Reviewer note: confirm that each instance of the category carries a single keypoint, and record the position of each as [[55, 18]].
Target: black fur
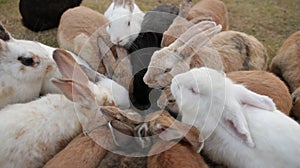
[[3, 34], [38, 15], [155, 23]]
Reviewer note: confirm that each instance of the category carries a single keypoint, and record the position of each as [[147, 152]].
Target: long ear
[[69, 67], [184, 8], [92, 75], [234, 121], [197, 42], [107, 56], [205, 28], [76, 92], [122, 134], [253, 99], [4, 35], [128, 4]]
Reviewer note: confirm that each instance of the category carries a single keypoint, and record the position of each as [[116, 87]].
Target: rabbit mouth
[[32, 61]]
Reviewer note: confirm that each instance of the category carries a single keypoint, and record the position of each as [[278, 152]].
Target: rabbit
[[286, 62], [72, 32], [169, 61], [175, 144], [212, 10], [22, 71], [260, 82], [295, 111], [239, 127], [154, 24], [92, 149], [125, 19], [40, 15], [227, 51], [33, 132]]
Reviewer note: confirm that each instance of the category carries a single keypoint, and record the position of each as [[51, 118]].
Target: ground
[[270, 21]]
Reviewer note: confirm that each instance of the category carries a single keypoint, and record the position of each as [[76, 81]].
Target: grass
[[270, 21]]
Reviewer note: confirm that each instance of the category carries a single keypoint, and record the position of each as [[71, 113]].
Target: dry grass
[[270, 21]]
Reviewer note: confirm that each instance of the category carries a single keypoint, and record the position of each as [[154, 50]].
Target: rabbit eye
[[109, 25], [128, 23], [172, 101], [26, 61], [167, 70]]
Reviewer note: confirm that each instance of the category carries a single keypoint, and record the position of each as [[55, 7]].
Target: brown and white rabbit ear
[[201, 38], [107, 56], [205, 28], [68, 67], [75, 91], [256, 100], [184, 8], [4, 35], [127, 116], [122, 134]]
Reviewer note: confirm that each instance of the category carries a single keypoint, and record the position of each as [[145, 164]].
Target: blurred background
[[270, 21]]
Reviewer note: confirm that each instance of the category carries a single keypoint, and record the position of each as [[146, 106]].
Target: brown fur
[[82, 151], [295, 112], [75, 30], [122, 161], [286, 63], [265, 83], [214, 10], [237, 50], [178, 156]]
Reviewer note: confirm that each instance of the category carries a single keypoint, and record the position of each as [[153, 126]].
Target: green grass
[[270, 21]]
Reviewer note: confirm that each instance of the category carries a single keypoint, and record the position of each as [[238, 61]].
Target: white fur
[[119, 93], [260, 136], [20, 83], [32, 133], [121, 33]]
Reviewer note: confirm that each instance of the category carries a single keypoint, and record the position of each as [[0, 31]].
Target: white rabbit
[[32, 133], [125, 21], [22, 71], [239, 127]]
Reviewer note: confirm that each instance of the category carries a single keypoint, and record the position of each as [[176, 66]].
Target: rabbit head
[[167, 128], [125, 22], [218, 102], [175, 59], [22, 63]]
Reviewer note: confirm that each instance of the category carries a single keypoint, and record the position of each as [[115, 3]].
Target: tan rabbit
[[213, 10], [295, 112]]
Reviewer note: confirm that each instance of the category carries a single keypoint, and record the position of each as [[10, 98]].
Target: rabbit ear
[[92, 75], [75, 91], [69, 67], [4, 35], [184, 8], [107, 56], [128, 3], [234, 121], [122, 134], [253, 99], [203, 30], [199, 40]]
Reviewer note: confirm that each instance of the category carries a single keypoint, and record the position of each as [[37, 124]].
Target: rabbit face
[[123, 27], [164, 65], [25, 61]]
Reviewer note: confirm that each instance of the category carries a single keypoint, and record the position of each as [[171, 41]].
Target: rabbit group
[[95, 101]]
